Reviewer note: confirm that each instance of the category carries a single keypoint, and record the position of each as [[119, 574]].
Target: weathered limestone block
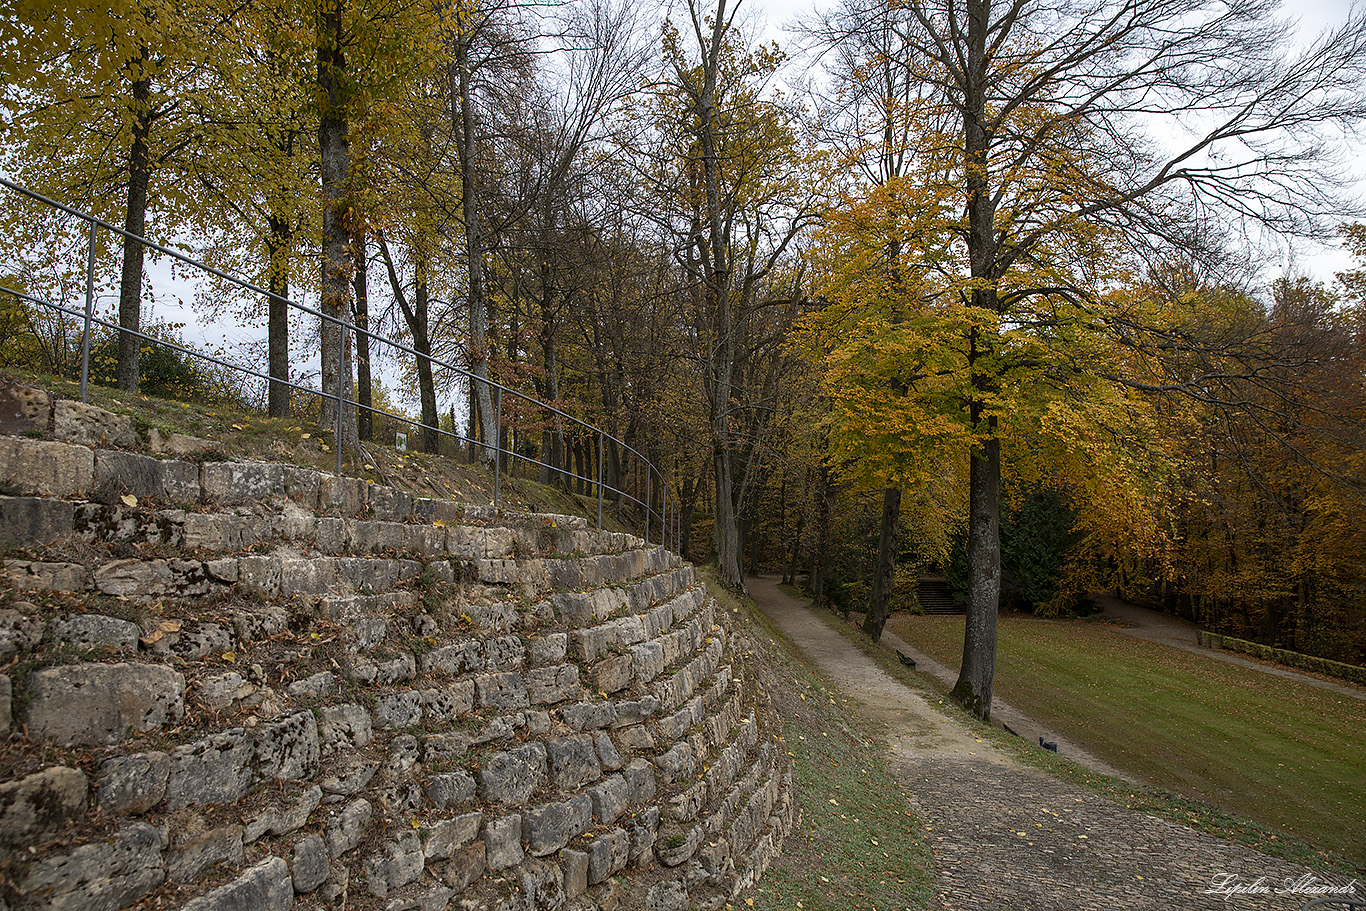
[[132, 578], [611, 796], [86, 631], [105, 876], [177, 445], [447, 789], [542, 884], [344, 727], [342, 496], [24, 575], [549, 828], [548, 649], [20, 630], [133, 784], [608, 755], [635, 711], [388, 504], [24, 409], [643, 835], [40, 805], [45, 469], [613, 674], [549, 685], [231, 483], [283, 819], [30, 521], [395, 670], [102, 703], [346, 828], [573, 761], [640, 780], [454, 659], [448, 703], [88, 425], [288, 750], [398, 710], [502, 691], [265, 887], [670, 895], [466, 866], [216, 769], [318, 686], [444, 511], [190, 640], [575, 873], [509, 778], [185, 861], [471, 543], [503, 842], [607, 854], [145, 477], [649, 660], [400, 863], [443, 839], [308, 864], [583, 716]]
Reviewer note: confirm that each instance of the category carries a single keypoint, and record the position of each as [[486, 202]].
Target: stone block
[[550, 827], [399, 863], [449, 703], [133, 784], [398, 710], [548, 649], [670, 895], [445, 511], [45, 469], [503, 842], [318, 686], [25, 575], [346, 828], [613, 674], [607, 752], [118, 473], [344, 727], [342, 496], [102, 703], [88, 631], [448, 789], [232, 483], [442, 839], [32, 521], [89, 425], [107, 875], [185, 861], [216, 769], [396, 670], [308, 864], [636, 737], [542, 884], [24, 409], [610, 796], [573, 761], [549, 685], [583, 716], [502, 691], [388, 504], [265, 887], [178, 445], [38, 806], [640, 780], [19, 630], [649, 660], [509, 778], [608, 854], [288, 750], [466, 866], [291, 816], [575, 873], [455, 659]]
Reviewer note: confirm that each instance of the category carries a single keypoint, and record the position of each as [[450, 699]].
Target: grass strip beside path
[[1277, 751]]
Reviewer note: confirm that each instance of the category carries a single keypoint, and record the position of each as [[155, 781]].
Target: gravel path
[[1010, 838]]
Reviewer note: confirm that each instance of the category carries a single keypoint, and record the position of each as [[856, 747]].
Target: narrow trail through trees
[[1005, 836]]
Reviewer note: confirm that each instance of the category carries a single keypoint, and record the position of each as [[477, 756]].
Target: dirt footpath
[[1010, 838]]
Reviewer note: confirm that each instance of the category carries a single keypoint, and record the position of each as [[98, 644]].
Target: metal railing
[[667, 517]]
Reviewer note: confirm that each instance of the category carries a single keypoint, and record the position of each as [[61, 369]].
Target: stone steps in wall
[[530, 720]]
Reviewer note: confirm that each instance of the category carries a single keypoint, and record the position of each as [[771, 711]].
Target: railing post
[[497, 445], [89, 313], [649, 491], [599, 480]]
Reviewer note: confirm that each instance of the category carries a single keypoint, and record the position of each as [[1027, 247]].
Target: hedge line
[[1348, 672]]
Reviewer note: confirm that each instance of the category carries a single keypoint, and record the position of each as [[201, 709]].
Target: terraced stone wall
[[246, 685]]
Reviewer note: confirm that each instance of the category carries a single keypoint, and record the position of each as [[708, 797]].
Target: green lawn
[[1283, 753]]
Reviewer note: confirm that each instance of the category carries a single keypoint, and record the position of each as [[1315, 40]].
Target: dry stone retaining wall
[[245, 685]]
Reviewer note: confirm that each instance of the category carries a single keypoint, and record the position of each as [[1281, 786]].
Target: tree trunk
[[135, 222], [978, 673], [415, 315], [278, 245], [335, 163], [365, 417], [888, 546]]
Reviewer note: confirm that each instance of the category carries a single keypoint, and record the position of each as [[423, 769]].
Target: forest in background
[[942, 305]]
